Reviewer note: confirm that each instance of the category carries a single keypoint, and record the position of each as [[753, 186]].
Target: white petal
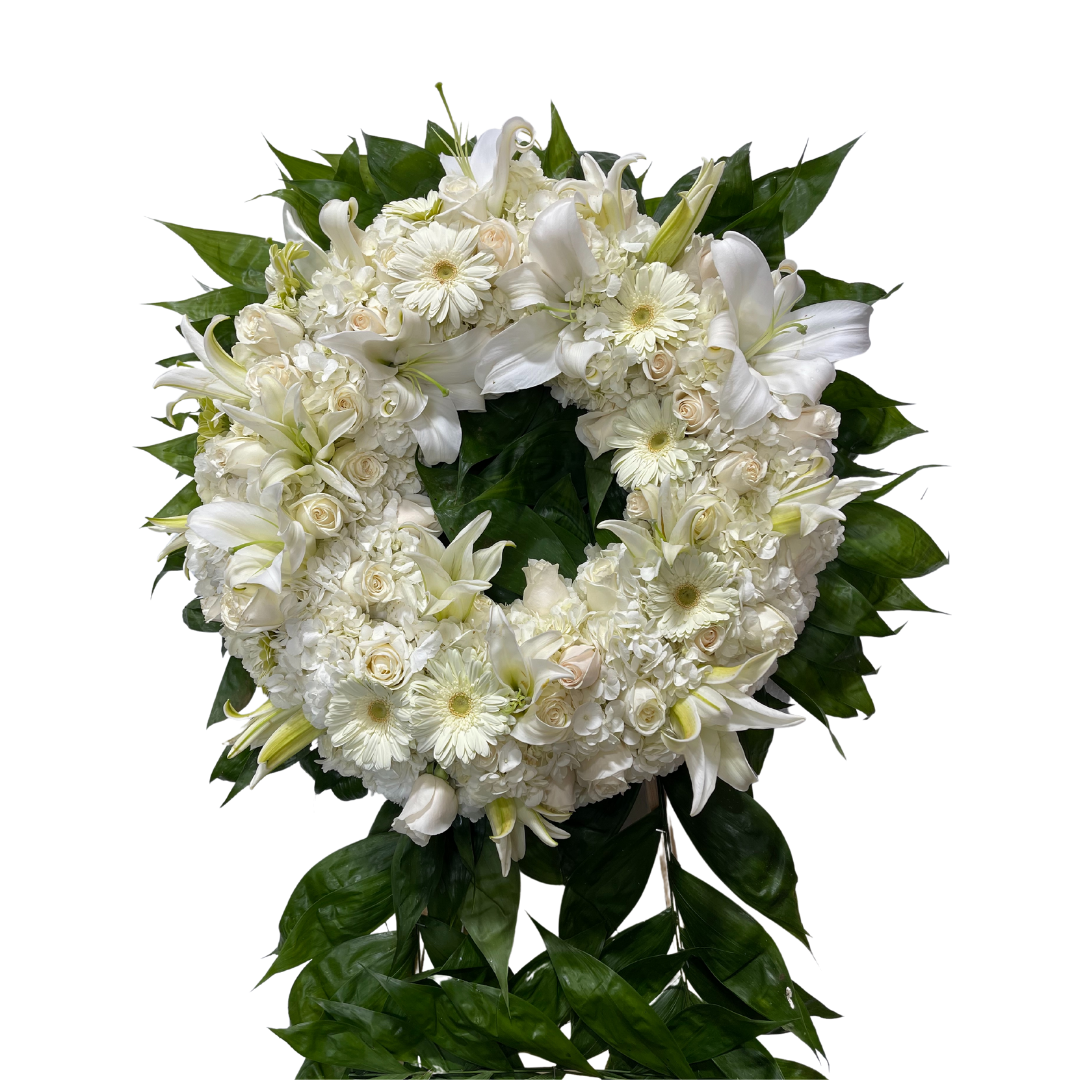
[[438, 430], [523, 355], [748, 282], [229, 523], [795, 375], [744, 397], [835, 330], [557, 245], [733, 766], [526, 285], [335, 219]]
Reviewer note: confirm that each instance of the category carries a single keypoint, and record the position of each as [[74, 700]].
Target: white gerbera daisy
[[441, 276], [653, 305], [366, 722], [691, 594], [458, 709], [655, 444], [415, 209]]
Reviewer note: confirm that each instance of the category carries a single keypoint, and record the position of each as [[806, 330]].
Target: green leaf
[[848, 392], [489, 913], [813, 179], [750, 1062], [307, 206], [734, 195], [346, 967], [445, 903], [390, 1033], [240, 770], [301, 168], [823, 648], [182, 360], [241, 260], [560, 507], [886, 594], [602, 891], [447, 947], [516, 1024], [613, 1009], [343, 896], [183, 502], [643, 940], [559, 157], [885, 542], [173, 561], [842, 609], [815, 1007], [532, 536], [486, 434], [400, 169], [820, 690], [537, 983], [387, 812], [742, 845], [195, 620], [739, 953], [236, 686], [206, 305], [796, 1070], [354, 171], [178, 454], [414, 876], [598, 478], [707, 1031], [437, 140], [820, 288], [337, 1044], [345, 788], [866, 431], [764, 224], [756, 743]]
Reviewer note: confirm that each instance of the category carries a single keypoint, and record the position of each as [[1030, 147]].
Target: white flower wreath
[[318, 549]]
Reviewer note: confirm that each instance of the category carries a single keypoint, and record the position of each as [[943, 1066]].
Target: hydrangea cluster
[[318, 551]]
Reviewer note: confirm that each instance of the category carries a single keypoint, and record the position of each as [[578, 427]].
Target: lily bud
[[289, 739], [670, 242], [431, 808], [502, 816]]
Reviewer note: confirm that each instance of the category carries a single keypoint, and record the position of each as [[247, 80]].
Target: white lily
[[612, 205], [489, 165], [780, 359], [454, 576], [537, 347], [703, 727], [220, 378], [509, 818], [671, 241], [525, 668], [437, 376], [808, 501]]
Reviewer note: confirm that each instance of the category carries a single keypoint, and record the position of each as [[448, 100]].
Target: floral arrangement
[[515, 491]]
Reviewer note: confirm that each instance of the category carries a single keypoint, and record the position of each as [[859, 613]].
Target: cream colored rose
[[600, 578], [399, 401], [251, 608], [457, 189], [816, 421], [696, 408], [709, 522], [553, 710], [659, 367], [708, 639], [279, 368], [384, 665], [360, 467], [544, 587], [774, 630], [346, 398], [266, 330], [365, 318], [584, 662], [647, 711], [740, 472], [320, 515], [595, 429], [500, 239], [637, 507], [416, 510], [369, 582]]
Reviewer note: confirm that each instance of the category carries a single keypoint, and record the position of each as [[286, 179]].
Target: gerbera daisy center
[[378, 711], [460, 704], [687, 595], [643, 316], [444, 270], [659, 440]]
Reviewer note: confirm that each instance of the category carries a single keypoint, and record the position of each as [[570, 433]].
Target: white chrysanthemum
[[691, 594], [457, 708], [441, 276], [654, 305], [654, 444], [366, 722]]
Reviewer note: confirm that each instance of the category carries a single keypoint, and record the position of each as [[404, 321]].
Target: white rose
[[584, 662], [369, 582], [696, 408], [384, 665], [637, 507], [416, 510], [659, 367], [457, 189], [266, 330], [399, 401], [600, 579], [430, 810], [559, 794], [647, 711], [708, 639], [346, 398], [774, 630], [595, 429], [360, 467], [364, 318], [544, 588], [272, 367], [740, 472], [251, 608], [320, 515], [500, 239], [708, 522], [553, 710], [816, 421]]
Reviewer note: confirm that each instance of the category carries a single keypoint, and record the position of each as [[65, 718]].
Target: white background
[[937, 862]]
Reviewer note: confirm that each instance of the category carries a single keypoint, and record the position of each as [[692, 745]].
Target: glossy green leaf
[[749, 1062], [848, 392], [346, 788], [173, 561], [886, 594], [447, 947], [537, 984], [338, 1044], [739, 953], [603, 890], [400, 169], [613, 1009], [515, 1023], [796, 1070], [821, 690], [437, 140], [396, 1036], [206, 305], [307, 207], [885, 542], [178, 454], [195, 620], [445, 903], [532, 536], [815, 1007], [387, 812], [743, 846], [344, 973], [823, 648], [236, 686], [559, 157], [180, 360], [764, 224], [820, 289], [414, 875], [756, 743], [734, 195], [489, 913], [301, 168], [707, 1031], [652, 937], [841, 608], [183, 502], [560, 507], [866, 431], [598, 479], [241, 260], [812, 183], [486, 434], [343, 896]]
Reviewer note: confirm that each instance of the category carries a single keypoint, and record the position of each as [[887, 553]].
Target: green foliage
[[178, 454], [559, 158], [489, 913], [195, 620], [400, 169], [236, 687], [812, 180], [228, 301], [173, 561], [241, 260], [342, 787]]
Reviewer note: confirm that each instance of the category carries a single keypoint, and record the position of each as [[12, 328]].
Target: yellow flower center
[[461, 704], [378, 711], [444, 271], [643, 316], [659, 440], [687, 595]]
